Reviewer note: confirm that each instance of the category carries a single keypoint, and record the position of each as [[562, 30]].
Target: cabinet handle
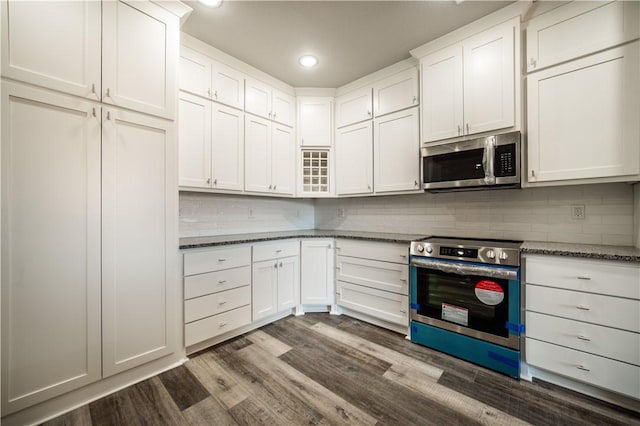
[[222, 303], [270, 186], [215, 94], [108, 95], [404, 280], [274, 115], [209, 92], [584, 278], [415, 183], [369, 187], [404, 311], [415, 99], [109, 115], [208, 181], [583, 308], [222, 281], [329, 246], [459, 130], [586, 339], [274, 187], [369, 113], [94, 111], [532, 63], [222, 260], [276, 265], [281, 264], [215, 181], [93, 88], [582, 367], [533, 173], [467, 128], [222, 324]]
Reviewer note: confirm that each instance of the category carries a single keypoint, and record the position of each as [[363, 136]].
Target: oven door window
[[476, 302], [454, 166]]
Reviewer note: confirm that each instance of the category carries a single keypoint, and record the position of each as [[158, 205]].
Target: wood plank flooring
[[319, 369]]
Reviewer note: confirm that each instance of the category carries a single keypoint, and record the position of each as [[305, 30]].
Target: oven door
[[473, 299]]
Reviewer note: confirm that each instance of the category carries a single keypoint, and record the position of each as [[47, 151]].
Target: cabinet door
[[396, 152], [583, 117], [227, 148], [195, 72], [354, 107], [315, 125], [227, 85], [50, 245], [354, 159], [257, 98], [257, 173], [138, 240], [194, 141], [442, 100], [264, 301], [140, 43], [317, 272], [397, 92], [53, 44], [489, 80], [283, 108], [288, 282], [283, 160]]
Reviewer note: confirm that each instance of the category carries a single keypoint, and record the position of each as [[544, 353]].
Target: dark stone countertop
[[589, 251], [220, 240]]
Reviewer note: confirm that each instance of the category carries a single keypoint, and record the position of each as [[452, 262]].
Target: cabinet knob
[[369, 113], [532, 62], [208, 181]]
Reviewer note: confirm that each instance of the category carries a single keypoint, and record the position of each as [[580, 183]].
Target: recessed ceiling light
[[211, 3], [308, 61]]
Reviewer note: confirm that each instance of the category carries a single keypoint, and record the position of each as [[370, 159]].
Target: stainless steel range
[[465, 300]]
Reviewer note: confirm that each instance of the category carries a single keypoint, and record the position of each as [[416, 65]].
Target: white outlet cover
[[578, 212]]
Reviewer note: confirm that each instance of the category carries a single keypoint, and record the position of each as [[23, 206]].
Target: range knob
[[491, 254], [504, 256], [420, 248], [429, 249]]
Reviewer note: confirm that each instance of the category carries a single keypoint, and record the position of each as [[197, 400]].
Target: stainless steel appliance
[[483, 163], [465, 300]]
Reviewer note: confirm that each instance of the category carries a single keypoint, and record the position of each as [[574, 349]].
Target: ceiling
[[350, 38]]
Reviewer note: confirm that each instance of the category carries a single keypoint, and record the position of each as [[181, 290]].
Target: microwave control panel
[[505, 160]]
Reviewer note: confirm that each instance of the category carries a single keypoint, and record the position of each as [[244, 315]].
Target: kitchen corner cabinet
[[396, 152], [395, 93], [276, 278], [317, 272], [269, 157], [267, 102], [354, 159], [354, 107], [469, 88], [315, 122], [122, 53]]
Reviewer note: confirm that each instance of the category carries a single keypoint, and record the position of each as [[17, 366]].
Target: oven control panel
[[490, 252]]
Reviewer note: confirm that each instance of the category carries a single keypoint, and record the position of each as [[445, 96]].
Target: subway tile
[[617, 240]]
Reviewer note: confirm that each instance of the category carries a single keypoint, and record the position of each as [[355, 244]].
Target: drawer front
[[592, 308], [593, 276], [386, 252], [386, 306], [602, 372], [384, 276], [608, 342], [207, 328], [212, 304], [201, 262], [268, 251], [213, 282]]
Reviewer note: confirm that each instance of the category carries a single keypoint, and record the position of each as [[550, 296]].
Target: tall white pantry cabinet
[[89, 193]]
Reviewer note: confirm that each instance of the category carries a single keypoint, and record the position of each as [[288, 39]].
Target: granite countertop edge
[[589, 251]]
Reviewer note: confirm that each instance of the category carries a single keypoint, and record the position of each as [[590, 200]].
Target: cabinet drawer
[[215, 260], [207, 328], [386, 306], [212, 304], [385, 276], [275, 250], [593, 276], [578, 29], [387, 252], [213, 282], [602, 372], [592, 308], [608, 342]]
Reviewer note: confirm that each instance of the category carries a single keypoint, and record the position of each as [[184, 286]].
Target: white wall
[[203, 214], [536, 214]]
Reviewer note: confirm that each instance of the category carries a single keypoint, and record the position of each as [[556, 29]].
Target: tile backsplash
[[203, 214], [534, 214]]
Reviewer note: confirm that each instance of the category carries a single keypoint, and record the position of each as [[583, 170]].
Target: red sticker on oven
[[489, 292]]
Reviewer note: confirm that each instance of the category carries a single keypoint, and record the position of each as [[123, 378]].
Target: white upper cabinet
[[442, 88], [140, 42], [194, 155], [264, 101], [315, 121], [583, 117], [227, 85], [227, 148], [395, 93], [354, 107], [63, 54], [195, 72], [354, 159], [579, 28], [283, 160], [469, 88], [396, 152]]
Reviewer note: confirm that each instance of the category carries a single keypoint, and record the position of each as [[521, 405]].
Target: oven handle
[[459, 269]]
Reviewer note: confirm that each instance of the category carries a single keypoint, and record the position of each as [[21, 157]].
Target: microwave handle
[[460, 269], [488, 160]]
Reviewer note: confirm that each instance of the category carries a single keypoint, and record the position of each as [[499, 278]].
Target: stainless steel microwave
[[484, 163]]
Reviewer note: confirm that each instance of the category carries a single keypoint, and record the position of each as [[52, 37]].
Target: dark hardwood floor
[[322, 369]]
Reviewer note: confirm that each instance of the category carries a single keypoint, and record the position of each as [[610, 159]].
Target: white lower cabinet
[[576, 327], [317, 272], [372, 279]]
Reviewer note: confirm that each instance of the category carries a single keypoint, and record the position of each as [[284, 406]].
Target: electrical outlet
[[578, 212], [340, 212]]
